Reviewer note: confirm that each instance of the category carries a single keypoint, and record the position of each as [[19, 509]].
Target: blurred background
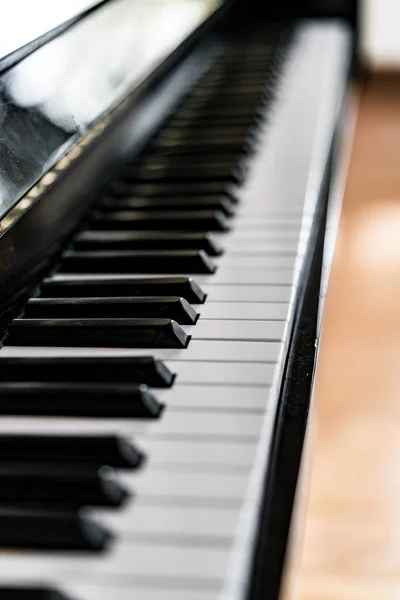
[[352, 542]]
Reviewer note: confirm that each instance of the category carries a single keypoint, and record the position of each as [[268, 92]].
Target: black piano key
[[107, 369], [92, 451], [221, 89], [147, 240], [241, 74], [31, 593], [206, 144], [200, 107], [225, 143], [241, 63], [202, 220], [39, 530], [136, 261], [201, 120], [237, 108], [227, 158], [248, 84], [230, 111], [202, 162], [225, 205], [184, 156], [236, 102], [238, 95], [212, 116], [96, 400], [185, 287], [164, 307], [214, 147], [157, 171], [251, 90], [31, 485], [240, 88], [254, 90], [104, 333], [205, 188], [181, 133]]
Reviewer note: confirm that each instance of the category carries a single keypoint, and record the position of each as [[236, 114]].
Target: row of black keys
[[112, 244], [156, 218]]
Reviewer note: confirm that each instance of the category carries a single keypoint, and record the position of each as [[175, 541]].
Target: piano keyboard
[[172, 309]]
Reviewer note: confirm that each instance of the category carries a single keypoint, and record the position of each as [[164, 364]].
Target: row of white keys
[[180, 529], [182, 524], [178, 544]]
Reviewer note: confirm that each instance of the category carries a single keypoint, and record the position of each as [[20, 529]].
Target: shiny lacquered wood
[[352, 546]]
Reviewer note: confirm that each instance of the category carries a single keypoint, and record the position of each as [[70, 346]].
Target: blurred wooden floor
[[352, 543]]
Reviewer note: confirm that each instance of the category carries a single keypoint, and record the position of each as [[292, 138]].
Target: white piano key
[[271, 311], [258, 250], [139, 521], [191, 423], [241, 276], [245, 293], [175, 486], [263, 235], [108, 591], [273, 239], [223, 351], [256, 262], [272, 217], [252, 209], [236, 330], [195, 453], [137, 562], [222, 425], [219, 397], [224, 275], [219, 351], [223, 373], [263, 225], [202, 350]]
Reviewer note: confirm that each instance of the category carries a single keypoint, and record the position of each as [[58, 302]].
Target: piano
[[165, 169]]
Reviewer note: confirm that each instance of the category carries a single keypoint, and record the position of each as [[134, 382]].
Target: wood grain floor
[[352, 542]]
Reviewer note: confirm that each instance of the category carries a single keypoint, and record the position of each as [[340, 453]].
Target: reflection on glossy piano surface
[[164, 175]]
